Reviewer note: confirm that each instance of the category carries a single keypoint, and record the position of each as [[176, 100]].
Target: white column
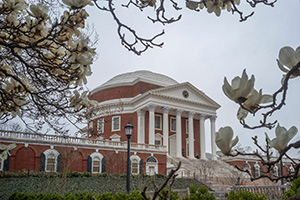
[[213, 136], [151, 108], [166, 127], [141, 127], [202, 137], [191, 135], [178, 133]]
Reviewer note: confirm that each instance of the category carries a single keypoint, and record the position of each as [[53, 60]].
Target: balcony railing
[[75, 141]]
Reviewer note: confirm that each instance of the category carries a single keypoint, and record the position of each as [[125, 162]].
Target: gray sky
[[202, 48]]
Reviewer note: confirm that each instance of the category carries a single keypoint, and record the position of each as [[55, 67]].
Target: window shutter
[[89, 166], [141, 166], [58, 169], [103, 163], [254, 173], [6, 163], [42, 162]]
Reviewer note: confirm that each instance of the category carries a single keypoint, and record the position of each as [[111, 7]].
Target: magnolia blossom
[[75, 4], [214, 6], [4, 150], [287, 59], [39, 11], [252, 103], [283, 137], [224, 139], [240, 88]]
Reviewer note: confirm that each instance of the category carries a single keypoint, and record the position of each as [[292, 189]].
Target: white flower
[[193, 5], [224, 139], [287, 59], [4, 149], [39, 11], [283, 137], [240, 88], [75, 4], [252, 103], [214, 6]]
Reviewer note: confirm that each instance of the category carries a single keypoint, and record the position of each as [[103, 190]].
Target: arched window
[[51, 160], [136, 164], [247, 167], [291, 170], [275, 171], [151, 166], [96, 163], [256, 170]]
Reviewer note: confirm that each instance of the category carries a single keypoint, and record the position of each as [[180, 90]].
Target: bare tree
[[141, 44]]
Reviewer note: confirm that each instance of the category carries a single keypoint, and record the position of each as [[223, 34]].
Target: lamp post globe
[[128, 132]]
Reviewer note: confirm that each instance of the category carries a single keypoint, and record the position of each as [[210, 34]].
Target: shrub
[[201, 194], [245, 195], [295, 189]]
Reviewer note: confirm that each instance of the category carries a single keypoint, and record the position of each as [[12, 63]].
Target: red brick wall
[[123, 91], [23, 158]]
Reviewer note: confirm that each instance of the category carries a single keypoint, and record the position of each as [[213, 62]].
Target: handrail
[[75, 140]]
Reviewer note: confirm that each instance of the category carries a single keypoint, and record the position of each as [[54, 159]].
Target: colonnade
[[166, 124]]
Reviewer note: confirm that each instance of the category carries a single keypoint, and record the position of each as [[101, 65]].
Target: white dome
[[131, 78]]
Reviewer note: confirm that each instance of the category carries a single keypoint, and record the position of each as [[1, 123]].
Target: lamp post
[[128, 132]]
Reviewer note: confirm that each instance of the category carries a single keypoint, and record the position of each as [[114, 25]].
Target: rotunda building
[[165, 114]]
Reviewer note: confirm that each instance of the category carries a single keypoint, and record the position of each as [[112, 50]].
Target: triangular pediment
[[185, 92]]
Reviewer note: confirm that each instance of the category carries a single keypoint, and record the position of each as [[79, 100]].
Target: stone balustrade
[[60, 140]]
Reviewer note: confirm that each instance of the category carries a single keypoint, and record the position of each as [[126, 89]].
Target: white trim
[[172, 118], [138, 162], [187, 126], [47, 153], [149, 165], [93, 155], [160, 122], [100, 120], [115, 138], [112, 123], [158, 137], [257, 169]]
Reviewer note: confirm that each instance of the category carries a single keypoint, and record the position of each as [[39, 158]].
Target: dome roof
[[131, 78]]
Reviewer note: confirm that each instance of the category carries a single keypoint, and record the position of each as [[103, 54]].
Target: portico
[[178, 113], [180, 116]]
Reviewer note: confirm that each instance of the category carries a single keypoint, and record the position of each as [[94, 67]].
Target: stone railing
[[23, 137]]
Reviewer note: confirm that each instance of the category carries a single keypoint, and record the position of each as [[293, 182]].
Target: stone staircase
[[216, 174]]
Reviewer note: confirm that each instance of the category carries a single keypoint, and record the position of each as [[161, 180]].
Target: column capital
[[141, 113], [166, 110], [191, 113], [213, 118], [202, 116], [151, 107], [178, 112]]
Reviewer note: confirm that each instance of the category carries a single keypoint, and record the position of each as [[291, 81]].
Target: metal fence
[[270, 191]]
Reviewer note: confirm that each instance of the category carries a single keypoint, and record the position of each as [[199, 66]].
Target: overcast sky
[[202, 48]]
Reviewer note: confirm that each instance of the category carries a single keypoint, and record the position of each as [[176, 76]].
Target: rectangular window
[[158, 122], [187, 126], [100, 125], [157, 142], [134, 167], [173, 124], [50, 165], [116, 123], [151, 170], [1, 164], [96, 166]]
